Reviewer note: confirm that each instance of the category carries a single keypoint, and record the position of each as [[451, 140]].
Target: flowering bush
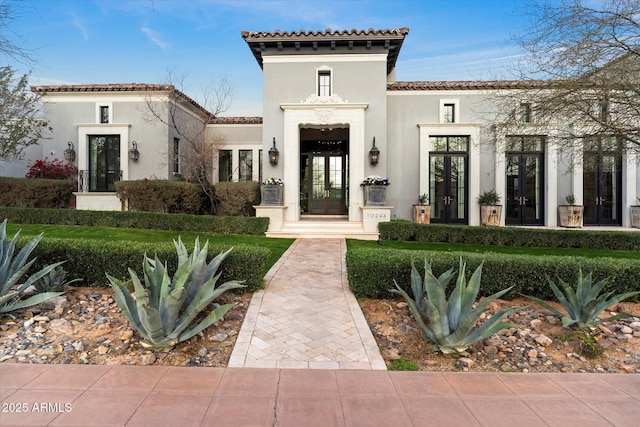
[[375, 180], [53, 169], [272, 181]]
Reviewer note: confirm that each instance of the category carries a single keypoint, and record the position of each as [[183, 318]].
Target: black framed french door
[[448, 179], [602, 183], [327, 183], [104, 162], [524, 192]]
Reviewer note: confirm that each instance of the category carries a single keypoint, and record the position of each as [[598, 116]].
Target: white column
[[629, 186], [551, 185]]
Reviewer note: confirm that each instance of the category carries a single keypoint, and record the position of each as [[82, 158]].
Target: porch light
[[374, 154], [274, 154], [70, 153], [134, 154]]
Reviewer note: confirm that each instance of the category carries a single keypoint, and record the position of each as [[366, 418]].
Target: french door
[[104, 162], [524, 202], [602, 189], [448, 188], [327, 184]]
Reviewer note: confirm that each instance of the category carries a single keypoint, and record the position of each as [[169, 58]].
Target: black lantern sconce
[[134, 154], [70, 153], [374, 153], [274, 154]]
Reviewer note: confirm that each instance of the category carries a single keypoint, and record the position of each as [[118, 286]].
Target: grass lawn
[[276, 246], [518, 250]]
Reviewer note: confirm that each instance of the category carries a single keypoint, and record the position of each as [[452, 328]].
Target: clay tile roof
[[236, 121], [303, 40], [121, 87], [467, 85]]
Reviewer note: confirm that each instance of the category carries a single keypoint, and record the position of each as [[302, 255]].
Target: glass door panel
[[457, 188], [602, 176], [327, 192], [448, 188], [533, 212], [513, 189], [524, 189], [437, 188]]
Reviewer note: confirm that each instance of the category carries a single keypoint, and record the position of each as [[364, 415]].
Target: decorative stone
[[375, 195], [219, 337], [543, 340], [147, 359], [272, 195]]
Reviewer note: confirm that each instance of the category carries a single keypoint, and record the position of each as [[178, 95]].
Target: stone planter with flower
[[272, 192], [422, 211], [375, 190]]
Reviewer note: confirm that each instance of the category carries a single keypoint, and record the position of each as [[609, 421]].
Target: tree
[[20, 126], [9, 11], [198, 145], [580, 73]]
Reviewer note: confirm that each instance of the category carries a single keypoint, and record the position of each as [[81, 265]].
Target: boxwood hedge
[[89, 260], [144, 220], [371, 271], [510, 236]]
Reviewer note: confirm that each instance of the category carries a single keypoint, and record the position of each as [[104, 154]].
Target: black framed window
[[225, 166], [449, 113], [260, 165], [104, 114], [245, 158], [176, 156]]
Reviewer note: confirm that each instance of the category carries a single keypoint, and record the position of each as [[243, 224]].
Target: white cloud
[[80, 26], [155, 38]]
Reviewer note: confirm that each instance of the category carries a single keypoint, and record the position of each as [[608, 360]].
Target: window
[[324, 83], [525, 112], [104, 162], [260, 165], [604, 110], [246, 165], [104, 114], [225, 166], [176, 156], [449, 113]]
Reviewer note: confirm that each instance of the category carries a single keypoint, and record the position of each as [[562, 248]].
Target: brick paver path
[[306, 318]]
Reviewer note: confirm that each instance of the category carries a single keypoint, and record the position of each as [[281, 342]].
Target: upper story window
[[449, 111], [176, 156], [324, 83], [525, 112], [104, 113]]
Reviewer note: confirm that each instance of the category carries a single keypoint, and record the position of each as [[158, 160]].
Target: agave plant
[[585, 304], [55, 281], [164, 308], [12, 269], [453, 323]]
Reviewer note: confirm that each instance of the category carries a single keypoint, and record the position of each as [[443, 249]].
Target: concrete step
[[323, 228]]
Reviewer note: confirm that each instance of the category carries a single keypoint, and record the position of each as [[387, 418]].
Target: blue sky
[[126, 41]]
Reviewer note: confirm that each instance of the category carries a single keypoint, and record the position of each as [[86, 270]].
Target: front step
[[323, 228]]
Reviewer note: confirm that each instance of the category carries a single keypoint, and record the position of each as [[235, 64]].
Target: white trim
[[96, 129], [472, 130], [278, 59], [301, 115]]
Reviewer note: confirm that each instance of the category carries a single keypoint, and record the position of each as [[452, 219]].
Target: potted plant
[[422, 211], [490, 207], [272, 192], [375, 190], [570, 214], [635, 215]]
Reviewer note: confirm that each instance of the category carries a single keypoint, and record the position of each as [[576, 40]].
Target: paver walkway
[[306, 317]]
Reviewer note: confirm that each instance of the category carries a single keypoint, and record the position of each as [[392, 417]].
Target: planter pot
[[490, 215], [570, 215], [635, 216], [422, 214], [272, 195], [375, 195]]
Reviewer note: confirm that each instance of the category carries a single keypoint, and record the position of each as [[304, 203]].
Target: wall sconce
[[374, 154], [274, 154], [70, 153], [134, 154]]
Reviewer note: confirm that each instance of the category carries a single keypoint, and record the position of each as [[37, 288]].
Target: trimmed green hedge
[[161, 196], [237, 198], [371, 272], [510, 236], [90, 260], [144, 220], [36, 193]]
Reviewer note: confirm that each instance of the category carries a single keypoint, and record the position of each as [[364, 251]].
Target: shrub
[[371, 270], [237, 198], [143, 220], [54, 281], [161, 196], [36, 193], [54, 169], [89, 259], [509, 236]]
